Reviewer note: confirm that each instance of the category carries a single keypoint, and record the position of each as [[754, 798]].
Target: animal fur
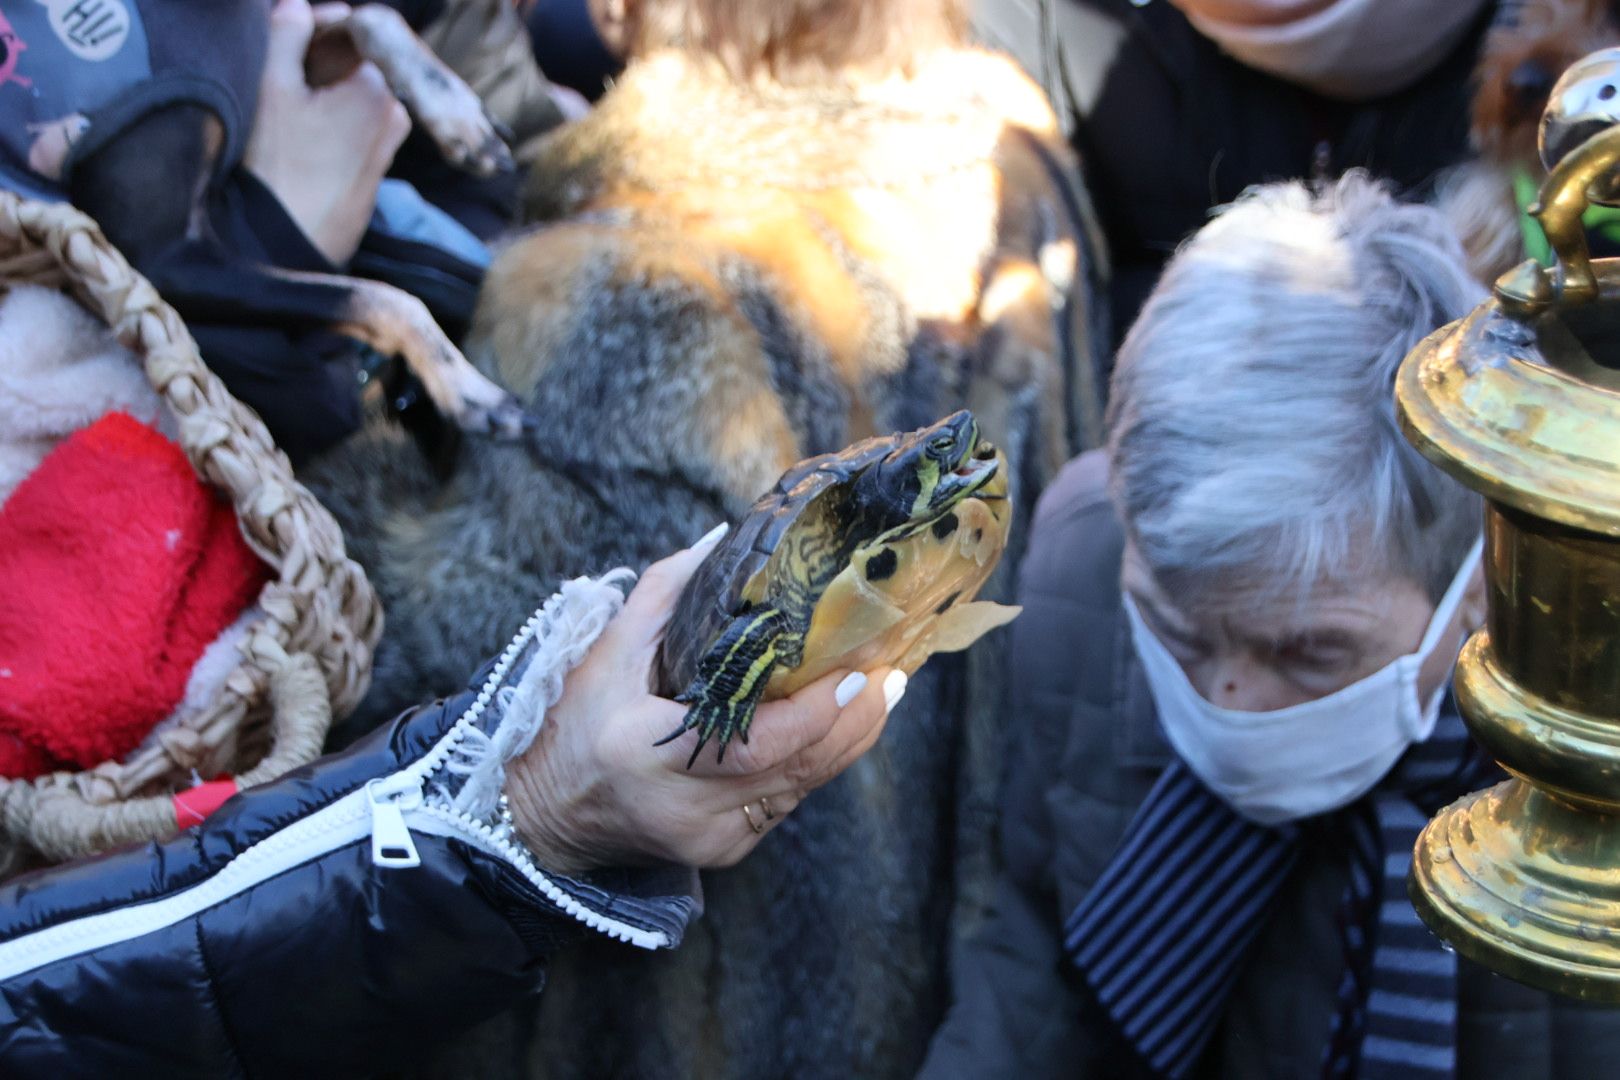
[[1522, 57], [61, 370], [764, 243]]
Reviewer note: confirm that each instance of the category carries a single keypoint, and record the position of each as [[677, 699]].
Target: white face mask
[[1309, 758]]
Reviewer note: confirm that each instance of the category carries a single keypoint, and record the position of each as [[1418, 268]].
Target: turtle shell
[[731, 577]]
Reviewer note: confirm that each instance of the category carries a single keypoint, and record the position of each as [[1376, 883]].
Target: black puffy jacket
[[336, 922]]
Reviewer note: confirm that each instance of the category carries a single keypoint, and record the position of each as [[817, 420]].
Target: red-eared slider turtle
[[865, 558]]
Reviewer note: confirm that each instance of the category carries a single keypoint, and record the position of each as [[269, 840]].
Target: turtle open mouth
[[981, 465]]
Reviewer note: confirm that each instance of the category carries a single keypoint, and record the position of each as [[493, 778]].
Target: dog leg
[[147, 187], [395, 323], [437, 98]]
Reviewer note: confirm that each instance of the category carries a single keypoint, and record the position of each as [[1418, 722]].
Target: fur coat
[[60, 370], [716, 281]]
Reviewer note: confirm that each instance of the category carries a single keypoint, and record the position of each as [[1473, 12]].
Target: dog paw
[[505, 422], [455, 119], [468, 398], [483, 408]]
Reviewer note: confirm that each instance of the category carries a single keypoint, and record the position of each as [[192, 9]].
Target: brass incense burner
[[1521, 401]]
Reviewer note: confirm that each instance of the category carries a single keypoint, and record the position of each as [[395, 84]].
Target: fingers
[[652, 601], [854, 730], [326, 14], [395, 129], [369, 77], [783, 728], [748, 815], [366, 87], [784, 788], [854, 752], [366, 82], [291, 24]]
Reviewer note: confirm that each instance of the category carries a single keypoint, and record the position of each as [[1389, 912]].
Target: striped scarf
[[1163, 935]]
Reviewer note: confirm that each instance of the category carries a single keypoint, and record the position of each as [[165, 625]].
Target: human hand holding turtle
[[865, 560], [594, 791], [868, 557]]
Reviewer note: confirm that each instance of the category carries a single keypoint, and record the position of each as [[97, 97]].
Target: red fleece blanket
[[118, 566]]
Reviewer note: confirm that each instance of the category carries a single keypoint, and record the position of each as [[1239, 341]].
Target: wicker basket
[[308, 657]]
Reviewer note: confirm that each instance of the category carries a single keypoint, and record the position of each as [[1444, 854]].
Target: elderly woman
[[1231, 691]]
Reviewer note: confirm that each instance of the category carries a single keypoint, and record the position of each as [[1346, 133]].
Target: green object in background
[[1603, 220]]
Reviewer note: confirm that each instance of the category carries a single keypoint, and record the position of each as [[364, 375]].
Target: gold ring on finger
[[748, 813], [765, 805]]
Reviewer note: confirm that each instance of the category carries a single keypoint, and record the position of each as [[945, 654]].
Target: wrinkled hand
[[593, 791], [322, 152]]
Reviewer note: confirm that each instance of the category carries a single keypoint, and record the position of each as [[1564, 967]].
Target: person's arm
[[342, 919]]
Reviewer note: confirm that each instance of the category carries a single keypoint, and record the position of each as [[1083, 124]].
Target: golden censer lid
[[1521, 400]]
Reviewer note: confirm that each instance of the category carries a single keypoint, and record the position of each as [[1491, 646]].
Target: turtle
[[863, 558]]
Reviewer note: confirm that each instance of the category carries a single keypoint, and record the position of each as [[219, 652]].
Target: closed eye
[[1328, 655], [1182, 644]]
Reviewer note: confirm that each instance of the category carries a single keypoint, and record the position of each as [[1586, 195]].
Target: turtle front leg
[[732, 676]]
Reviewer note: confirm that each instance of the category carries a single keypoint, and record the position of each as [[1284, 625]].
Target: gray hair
[[1252, 429]]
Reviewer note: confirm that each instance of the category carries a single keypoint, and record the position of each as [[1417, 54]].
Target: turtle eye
[[941, 445]]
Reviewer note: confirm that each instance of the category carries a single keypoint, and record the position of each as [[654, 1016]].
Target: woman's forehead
[[1267, 608]]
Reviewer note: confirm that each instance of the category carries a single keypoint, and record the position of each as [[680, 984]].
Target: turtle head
[[931, 470]]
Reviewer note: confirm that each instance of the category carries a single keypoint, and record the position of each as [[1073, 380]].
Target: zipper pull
[[391, 843]]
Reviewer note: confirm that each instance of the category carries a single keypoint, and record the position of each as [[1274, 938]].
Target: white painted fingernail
[[894, 688], [712, 537], [852, 685]]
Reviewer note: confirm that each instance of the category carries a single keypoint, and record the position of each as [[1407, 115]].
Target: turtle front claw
[[710, 721], [731, 678]]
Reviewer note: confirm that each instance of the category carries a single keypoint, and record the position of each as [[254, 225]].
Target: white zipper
[[445, 822], [397, 803], [342, 822], [391, 843], [386, 809]]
